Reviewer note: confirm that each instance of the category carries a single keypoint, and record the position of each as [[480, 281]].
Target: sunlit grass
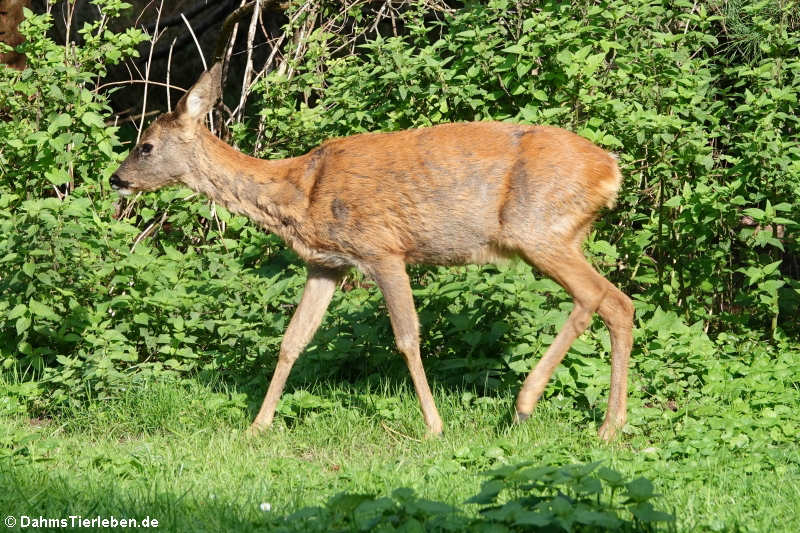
[[177, 452]]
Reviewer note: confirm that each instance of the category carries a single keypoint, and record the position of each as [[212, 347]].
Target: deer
[[451, 194]]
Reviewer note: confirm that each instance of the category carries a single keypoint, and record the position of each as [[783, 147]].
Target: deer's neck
[[274, 194]]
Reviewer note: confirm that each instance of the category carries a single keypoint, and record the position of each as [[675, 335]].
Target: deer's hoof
[[608, 431], [519, 418], [255, 430]]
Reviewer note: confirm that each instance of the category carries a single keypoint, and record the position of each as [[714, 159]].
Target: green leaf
[[605, 520], [592, 62], [640, 489], [62, 120], [18, 311], [42, 310], [90, 118], [29, 268], [57, 176], [23, 323], [756, 213], [540, 95], [612, 477], [172, 253], [105, 147], [489, 491], [646, 513], [515, 49], [534, 518]]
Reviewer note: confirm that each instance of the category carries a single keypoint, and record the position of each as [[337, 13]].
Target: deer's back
[[455, 193]]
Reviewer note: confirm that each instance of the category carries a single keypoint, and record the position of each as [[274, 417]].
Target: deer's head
[[166, 149]]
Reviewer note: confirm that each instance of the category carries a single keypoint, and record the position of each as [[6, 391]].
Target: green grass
[[177, 452]]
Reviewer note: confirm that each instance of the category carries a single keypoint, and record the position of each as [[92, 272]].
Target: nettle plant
[[707, 135], [56, 149], [56, 137]]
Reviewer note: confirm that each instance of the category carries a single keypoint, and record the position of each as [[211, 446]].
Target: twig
[[226, 60], [141, 14], [196, 42], [68, 24], [688, 20], [112, 83], [220, 227], [147, 72], [149, 230], [248, 68], [176, 19], [169, 67], [205, 65], [199, 28], [134, 118], [129, 206]]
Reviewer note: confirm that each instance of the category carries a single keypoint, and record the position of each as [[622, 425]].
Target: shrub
[[704, 233]]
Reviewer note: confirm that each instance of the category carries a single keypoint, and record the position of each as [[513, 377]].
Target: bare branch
[[196, 42], [147, 72], [227, 27], [169, 67], [126, 82]]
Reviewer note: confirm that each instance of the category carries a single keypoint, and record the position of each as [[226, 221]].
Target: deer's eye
[[146, 148]]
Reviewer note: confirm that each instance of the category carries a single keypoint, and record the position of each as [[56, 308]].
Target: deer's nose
[[116, 182]]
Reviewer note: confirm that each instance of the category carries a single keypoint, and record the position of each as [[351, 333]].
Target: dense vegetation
[[698, 98]]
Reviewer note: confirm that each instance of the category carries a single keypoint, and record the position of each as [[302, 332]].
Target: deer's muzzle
[[117, 183]]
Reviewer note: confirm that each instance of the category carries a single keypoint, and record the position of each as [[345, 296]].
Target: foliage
[[56, 136], [709, 143], [567, 498]]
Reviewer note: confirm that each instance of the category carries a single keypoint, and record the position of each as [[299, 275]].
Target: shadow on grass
[[355, 346]]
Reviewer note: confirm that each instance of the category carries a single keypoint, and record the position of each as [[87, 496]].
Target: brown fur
[[450, 194], [10, 16]]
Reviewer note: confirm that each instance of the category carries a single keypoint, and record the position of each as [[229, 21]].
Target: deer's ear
[[202, 96]]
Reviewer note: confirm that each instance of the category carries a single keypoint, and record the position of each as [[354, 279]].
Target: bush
[[703, 237], [708, 139]]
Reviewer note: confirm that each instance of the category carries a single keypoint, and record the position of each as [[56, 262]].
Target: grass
[[177, 452]]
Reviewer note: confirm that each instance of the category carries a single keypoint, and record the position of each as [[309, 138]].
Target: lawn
[[177, 452]]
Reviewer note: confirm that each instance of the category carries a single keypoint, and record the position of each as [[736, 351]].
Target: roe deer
[[449, 194]]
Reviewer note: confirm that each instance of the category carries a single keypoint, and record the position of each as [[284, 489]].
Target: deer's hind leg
[[616, 310], [569, 268]]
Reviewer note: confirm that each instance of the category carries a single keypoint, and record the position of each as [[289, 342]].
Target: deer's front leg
[[393, 281], [307, 317]]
